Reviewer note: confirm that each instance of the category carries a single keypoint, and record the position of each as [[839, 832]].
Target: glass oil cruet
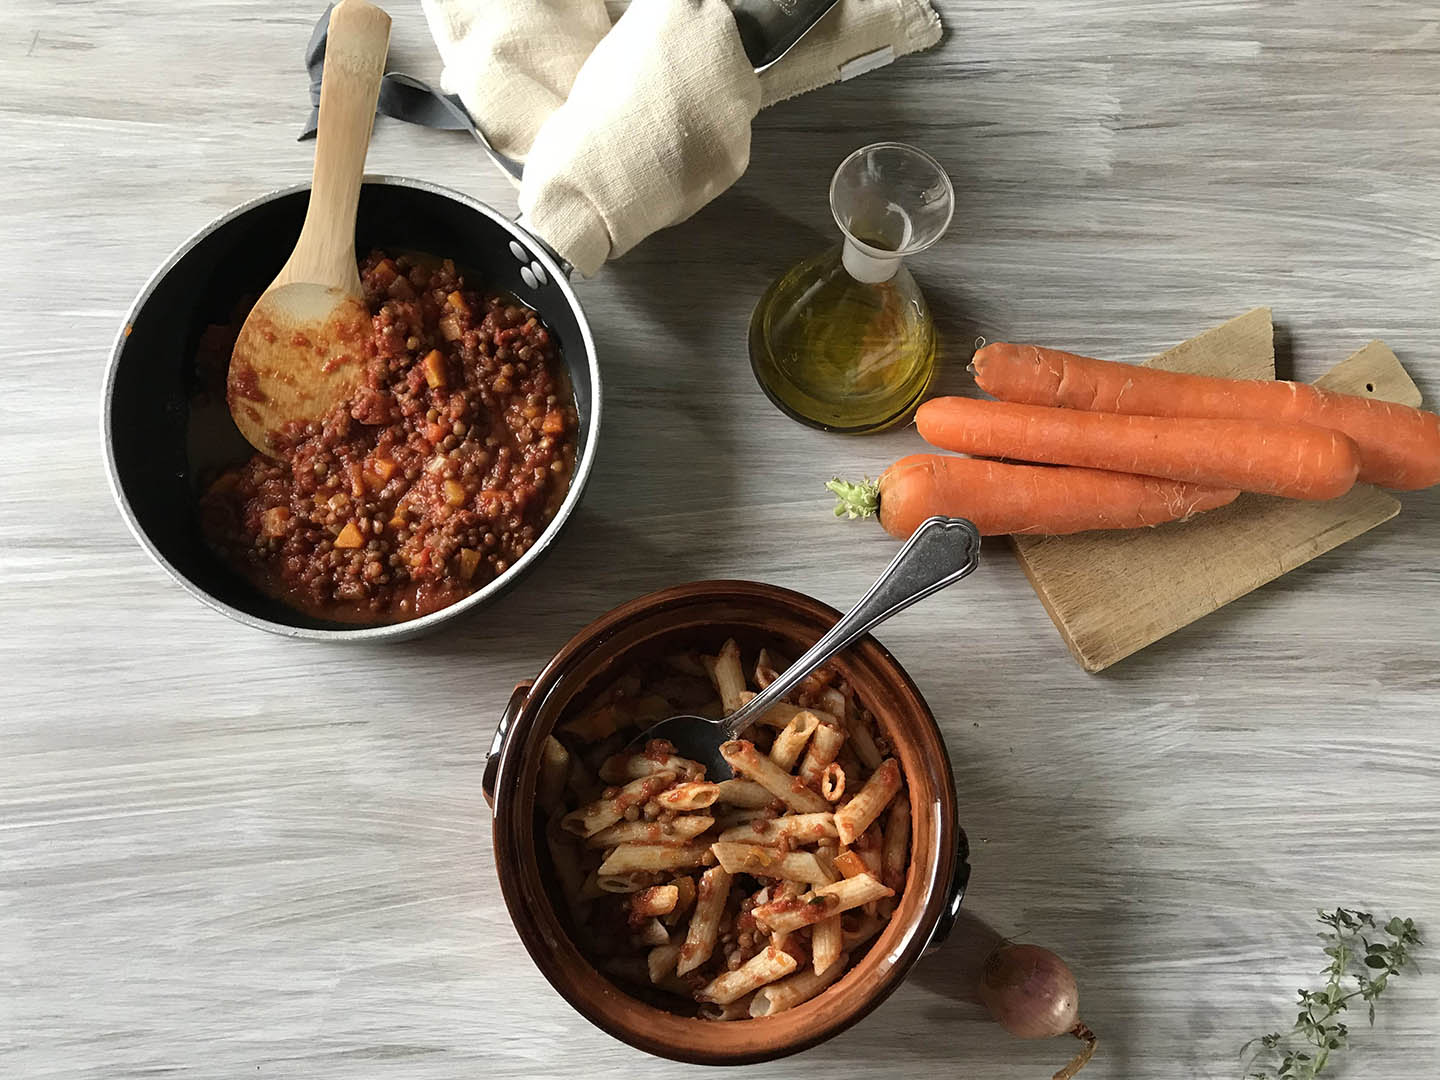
[[844, 340]]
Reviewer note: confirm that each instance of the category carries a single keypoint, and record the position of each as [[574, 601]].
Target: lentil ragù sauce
[[437, 475]]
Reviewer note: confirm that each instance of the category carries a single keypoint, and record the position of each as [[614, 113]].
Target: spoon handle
[[355, 51], [939, 553]]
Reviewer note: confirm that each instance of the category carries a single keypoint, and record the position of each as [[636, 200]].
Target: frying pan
[[160, 441]]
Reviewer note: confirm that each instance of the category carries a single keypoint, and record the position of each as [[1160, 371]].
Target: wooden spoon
[[304, 347]]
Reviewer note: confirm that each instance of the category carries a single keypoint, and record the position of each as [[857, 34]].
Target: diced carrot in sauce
[[384, 273], [436, 432], [469, 562], [384, 468], [554, 423], [273, 521], [456, 301], [850, 864], [350, 537], [454, 493], [434, 365]]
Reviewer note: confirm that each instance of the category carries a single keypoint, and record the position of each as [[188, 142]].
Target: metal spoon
[[940, 552]]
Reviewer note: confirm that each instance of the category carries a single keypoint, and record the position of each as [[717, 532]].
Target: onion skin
[[1030, 992]]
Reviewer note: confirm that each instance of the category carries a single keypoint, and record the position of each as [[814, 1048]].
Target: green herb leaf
[[1352, 955]]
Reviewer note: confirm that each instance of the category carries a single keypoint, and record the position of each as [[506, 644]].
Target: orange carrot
[[1293, 460], [1399, 446], [1000, 498]]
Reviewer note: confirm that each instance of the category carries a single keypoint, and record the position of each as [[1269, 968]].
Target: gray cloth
[[401, 96]]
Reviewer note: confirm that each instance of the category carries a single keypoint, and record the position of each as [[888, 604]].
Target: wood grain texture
[[1112, 594], [295, 880]]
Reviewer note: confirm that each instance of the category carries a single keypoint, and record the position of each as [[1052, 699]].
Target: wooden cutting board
[[1113, 593]]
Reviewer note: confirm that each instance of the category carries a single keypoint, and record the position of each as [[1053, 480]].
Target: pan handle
[[410, 84], [398, 83], [958, 884], [518, 697]]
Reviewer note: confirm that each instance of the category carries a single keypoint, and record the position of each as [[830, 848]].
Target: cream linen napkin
[[656, 125], [512, 62], [853, 37], [656, 122]]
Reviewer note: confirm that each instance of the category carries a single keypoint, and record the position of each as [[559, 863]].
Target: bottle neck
[[865, 267]]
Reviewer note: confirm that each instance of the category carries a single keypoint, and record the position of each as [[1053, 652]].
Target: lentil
[[444, 531]]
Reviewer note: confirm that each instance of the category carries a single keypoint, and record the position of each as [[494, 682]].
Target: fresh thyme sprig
[[1301, 1052]]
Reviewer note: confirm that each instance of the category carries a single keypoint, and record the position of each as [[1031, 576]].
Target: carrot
[[1399, 446], [1293, 460], [1000, 498]]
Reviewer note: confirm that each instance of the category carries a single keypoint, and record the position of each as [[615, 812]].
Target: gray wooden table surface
[[224, 854]]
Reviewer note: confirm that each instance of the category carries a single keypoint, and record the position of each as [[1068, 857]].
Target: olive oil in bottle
[[842, 354], [844, 340]]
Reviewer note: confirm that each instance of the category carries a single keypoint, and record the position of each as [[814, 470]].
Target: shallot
[[1032, 994]]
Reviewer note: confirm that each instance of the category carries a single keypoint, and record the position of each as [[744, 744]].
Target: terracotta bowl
[[705, 613]]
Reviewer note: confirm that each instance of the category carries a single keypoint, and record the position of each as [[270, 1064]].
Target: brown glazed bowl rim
[[508, 775]]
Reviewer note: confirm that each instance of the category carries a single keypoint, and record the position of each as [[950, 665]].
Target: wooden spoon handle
[[354, 65]]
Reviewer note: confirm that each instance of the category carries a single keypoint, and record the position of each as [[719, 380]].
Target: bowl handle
[[517, 700], [958, 884]]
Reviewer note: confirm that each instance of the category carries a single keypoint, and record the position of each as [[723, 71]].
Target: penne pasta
[[591, 890], [710, 898], [832, 782], [648, 858], [743, 793], [603, 812], [780, 917], [863, 742], [825, 944], [738, 1009], [661, 961], [855, 816], [726, 820], [765, 671], [795, 989], [771, 862], [581, 782], [796, 828], [690, 795], [684, 899], [824, 747], [595, 724], [654, 901], [742, 756], [790, 743], [727, 675], [622, 768], [652, 933], [778, 715], [764, 967], [621, 883], [686, 664], [895, 856], [566, 861], [680, 831], [554, 770], [855, 773]]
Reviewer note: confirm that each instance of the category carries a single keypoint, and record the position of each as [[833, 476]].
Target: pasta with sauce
[[747, 896]]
